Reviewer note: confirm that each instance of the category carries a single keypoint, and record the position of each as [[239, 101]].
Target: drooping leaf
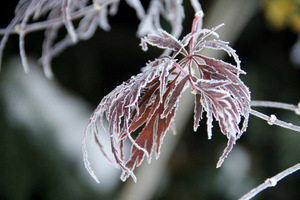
[[140, 101], [142, 109]]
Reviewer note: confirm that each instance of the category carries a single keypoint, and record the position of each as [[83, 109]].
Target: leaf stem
[[198, 16], [180, 68]]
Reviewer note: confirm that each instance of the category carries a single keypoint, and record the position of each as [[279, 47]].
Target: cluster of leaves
[[34, 15], [146, 104]]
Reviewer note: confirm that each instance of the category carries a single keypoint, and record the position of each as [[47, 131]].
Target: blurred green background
[[33, 164]]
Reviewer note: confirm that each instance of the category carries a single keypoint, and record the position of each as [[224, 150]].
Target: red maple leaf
[[146, 104]]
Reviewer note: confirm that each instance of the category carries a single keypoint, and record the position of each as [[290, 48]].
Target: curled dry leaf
[[142, 109]]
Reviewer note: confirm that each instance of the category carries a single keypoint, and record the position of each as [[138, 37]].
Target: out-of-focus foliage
[[283, 13], [51, 16]]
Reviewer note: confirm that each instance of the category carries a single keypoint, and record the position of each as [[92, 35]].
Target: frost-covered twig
[[272, 119], [271, 182], [41, 25], [273, 104], [51, 16]]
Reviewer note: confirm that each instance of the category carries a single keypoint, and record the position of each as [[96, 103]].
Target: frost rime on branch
[[35, 15]]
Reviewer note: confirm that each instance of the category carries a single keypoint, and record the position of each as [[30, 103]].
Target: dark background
[[92, 68]]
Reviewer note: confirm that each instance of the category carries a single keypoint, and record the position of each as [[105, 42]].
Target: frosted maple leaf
[[146, 104]]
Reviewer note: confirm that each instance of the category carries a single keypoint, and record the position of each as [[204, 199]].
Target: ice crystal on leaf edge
[[147, 102]]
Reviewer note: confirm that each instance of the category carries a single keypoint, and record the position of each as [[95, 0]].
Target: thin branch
[[68, 20], [48, 23], [272, 104], [272, 120], [271, 182], [22, 37]]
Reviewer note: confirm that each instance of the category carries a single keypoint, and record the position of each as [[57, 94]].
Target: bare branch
[[271, 182], [274, 121], [44, 15], [273, 104]]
